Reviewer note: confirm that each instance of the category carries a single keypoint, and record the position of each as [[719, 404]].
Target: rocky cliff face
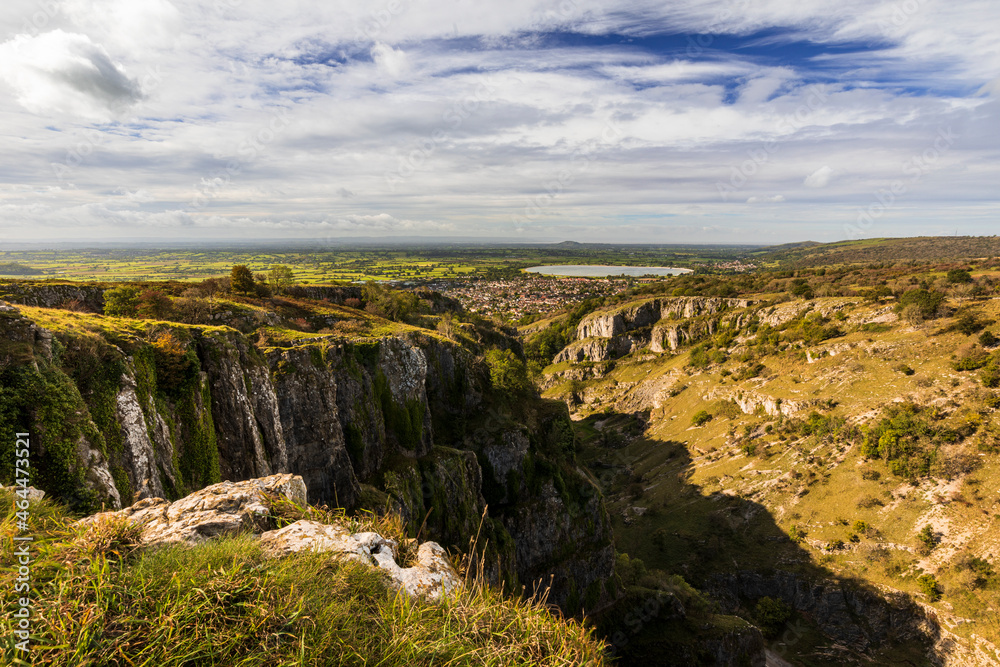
[[607, 324], [659, 324], [407, 422], [87, 297]]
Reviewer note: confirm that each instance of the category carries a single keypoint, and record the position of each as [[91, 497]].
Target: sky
[[667, 121]]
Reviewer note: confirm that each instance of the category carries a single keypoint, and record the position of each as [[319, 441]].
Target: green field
[[325, 264]]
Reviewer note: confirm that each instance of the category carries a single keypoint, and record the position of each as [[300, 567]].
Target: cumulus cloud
[[66, 73], [819, 178], [773, 199]]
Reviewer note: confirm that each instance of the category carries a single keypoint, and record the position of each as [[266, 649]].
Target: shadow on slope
[[733, 550]]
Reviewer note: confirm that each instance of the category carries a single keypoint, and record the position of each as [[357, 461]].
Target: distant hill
[[892, 250], [17, 269]]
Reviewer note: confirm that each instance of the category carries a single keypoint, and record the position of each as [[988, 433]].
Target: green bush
[[122, 301], [972, 360], [959, 276], [928, 539], [930, 587], [770, 615], [926, 302], [701, 418], [904, 439]]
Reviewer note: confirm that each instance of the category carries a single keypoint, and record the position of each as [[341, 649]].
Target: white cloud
[[819, 178], [491, 118], [391, 62], [66, 73]]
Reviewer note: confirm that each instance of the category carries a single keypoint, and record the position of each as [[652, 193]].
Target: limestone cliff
[[407, 421], [658, 324]]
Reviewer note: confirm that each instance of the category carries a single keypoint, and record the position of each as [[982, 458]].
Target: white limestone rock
[[431, 576], [216, 510]]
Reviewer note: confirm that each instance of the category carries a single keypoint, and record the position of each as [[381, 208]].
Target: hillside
[[932, 249], [838, 453], [385, 404]]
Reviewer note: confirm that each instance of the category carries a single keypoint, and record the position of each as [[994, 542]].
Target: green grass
[[99, 599]]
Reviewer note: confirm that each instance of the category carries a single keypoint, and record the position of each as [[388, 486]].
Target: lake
[[603, 271]]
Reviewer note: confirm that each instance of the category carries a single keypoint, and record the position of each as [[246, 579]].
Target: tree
[[280, 277], [154, 304], [122, 301], [241, 279], [508, 374], [959, 276]]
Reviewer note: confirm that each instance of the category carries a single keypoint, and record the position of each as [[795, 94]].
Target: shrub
[[154, 304], [122, 301], [959, 276], [771, 614], [728, 409], [701, 418], [176, 366], [904, 439], [987, 339], [387, 303], [972, 359], [970, 323], [869, 501], [749, 371], [926, 303], [930, 587], [904, 369], [928, 539]]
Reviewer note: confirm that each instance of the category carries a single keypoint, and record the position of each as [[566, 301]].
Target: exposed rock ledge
[[230, 507]]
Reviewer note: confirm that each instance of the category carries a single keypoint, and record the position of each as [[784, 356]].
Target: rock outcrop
[[54, 295], [220, 509], [608, 324], [242, 507], [660, 324]]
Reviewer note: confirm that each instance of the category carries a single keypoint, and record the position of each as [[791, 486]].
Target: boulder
[[219, 509], [430, 577]]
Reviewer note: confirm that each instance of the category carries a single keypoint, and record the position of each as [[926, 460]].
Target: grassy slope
[[98, 599], [691, 479]]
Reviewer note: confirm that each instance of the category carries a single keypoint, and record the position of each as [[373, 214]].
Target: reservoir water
[[603, 271]]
